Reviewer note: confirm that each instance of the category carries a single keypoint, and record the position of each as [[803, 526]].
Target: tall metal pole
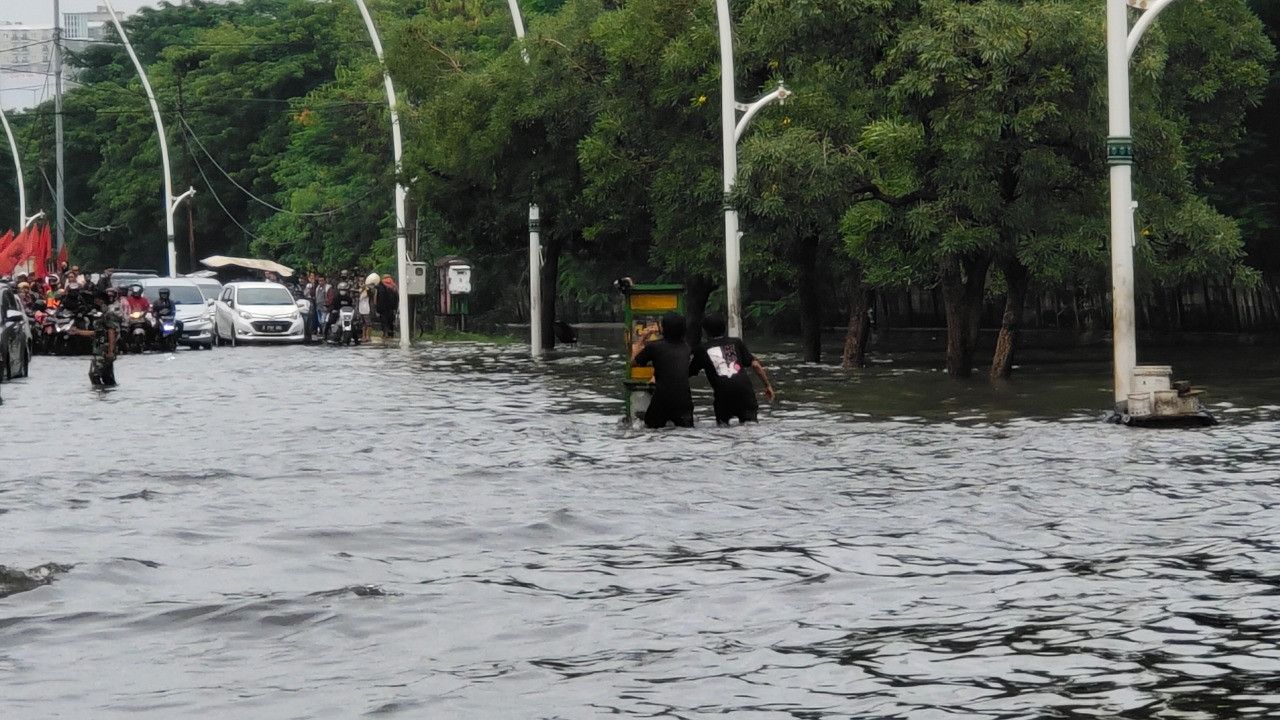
[[1121, 44], [60, 227], [535, 282], [169, 203], [1120, 160], [397, 146], [535, 242], [728, 127]]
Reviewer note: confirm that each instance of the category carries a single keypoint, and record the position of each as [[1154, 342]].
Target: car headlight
[[245, 315]]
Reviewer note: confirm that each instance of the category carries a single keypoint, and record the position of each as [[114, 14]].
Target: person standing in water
[[670, 357], [105, 332], [726, 360]]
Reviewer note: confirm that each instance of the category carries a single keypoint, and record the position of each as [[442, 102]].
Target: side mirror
[[14, 315], [302, 304], [210, 302]]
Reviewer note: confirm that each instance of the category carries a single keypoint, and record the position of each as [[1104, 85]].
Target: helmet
[[52, 280], [373, 279], [164, 292], [135, 290], [24, 286], [343, 287]]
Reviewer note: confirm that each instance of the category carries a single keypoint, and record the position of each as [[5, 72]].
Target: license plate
[[275, 327]]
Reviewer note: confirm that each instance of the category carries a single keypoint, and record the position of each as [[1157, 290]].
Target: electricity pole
[[59, 140]]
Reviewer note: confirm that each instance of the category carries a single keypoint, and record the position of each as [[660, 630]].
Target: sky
[[40, 12]]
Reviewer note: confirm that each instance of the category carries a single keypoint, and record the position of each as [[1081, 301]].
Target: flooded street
[[318, 533]]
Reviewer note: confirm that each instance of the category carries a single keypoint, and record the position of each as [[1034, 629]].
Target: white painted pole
[[535, 242], [164, 139], [59, 153], [402, 252], [1120, 160], [17, 167], [535, 282], [728, 128]]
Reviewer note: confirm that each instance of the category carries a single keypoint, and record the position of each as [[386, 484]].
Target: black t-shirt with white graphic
[[726, 360]]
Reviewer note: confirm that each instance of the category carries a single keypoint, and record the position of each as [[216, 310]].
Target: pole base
[[1200, 418]]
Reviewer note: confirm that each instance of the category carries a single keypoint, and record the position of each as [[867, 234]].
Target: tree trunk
[[697, 292], [1017, 277], [859, 332], [962, 283], [810, 310], [550, 284]]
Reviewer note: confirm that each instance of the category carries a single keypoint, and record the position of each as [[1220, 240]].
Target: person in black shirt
[[725, 360], [670, 357]]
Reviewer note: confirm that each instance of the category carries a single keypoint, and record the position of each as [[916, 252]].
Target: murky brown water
[[316, 533]]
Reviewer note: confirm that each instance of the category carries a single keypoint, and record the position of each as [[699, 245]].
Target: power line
[[213, 192], [328, 213], [93, 230]]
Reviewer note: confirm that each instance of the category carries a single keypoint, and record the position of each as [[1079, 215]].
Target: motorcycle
[[343, 327], [137, 331], [167, 332], [46, 331], [64, 342]]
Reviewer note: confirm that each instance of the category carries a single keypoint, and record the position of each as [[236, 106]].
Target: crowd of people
[[102, 304], [375, 297]]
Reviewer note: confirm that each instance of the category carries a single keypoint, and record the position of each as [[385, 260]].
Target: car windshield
[[179, 294], [263, 296], [212, 290]]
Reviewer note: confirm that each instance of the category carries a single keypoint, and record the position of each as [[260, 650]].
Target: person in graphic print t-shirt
[[726, 361]]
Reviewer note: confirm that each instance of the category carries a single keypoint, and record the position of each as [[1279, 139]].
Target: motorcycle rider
[[27, 297], [52, 291], [135, 301], [163, 306], [341, 298]]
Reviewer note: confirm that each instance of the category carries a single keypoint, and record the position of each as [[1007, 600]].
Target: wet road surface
[[319, 533]]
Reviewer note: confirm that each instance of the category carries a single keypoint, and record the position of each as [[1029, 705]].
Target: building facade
[[25, 48]]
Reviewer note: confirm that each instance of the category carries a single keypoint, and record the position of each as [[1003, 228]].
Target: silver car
[[15, 336], [191, 309]]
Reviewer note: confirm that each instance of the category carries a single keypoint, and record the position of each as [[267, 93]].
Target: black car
[[15, 337]]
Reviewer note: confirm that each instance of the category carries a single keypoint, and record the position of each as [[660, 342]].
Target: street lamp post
[[1121, 42], [170, 202], [731, 129], [535, 242], [23, 220], [397, 146]]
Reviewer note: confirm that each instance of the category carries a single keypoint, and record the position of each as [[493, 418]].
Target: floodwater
[[326, 533]]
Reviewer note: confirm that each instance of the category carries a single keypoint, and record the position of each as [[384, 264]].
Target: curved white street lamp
[[731, 130], [170, 202], [779, 96], [535, 222], [23, 220], [1121, 43], [397, 147]]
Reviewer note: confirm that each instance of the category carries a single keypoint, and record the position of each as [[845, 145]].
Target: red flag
[[13, 253], [62, 255], [46, 248]]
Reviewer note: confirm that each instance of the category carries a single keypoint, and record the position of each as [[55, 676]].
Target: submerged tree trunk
[[696, 293], [859, 331], [810, 292], [550, 284], [962, 283], [1017, 277]]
